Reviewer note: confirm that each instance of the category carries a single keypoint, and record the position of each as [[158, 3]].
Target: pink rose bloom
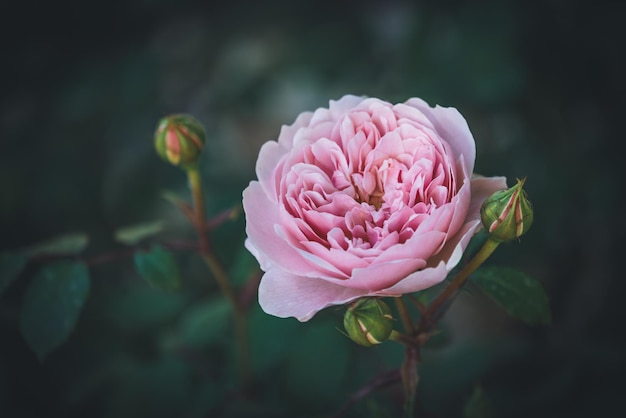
[[364, 198]]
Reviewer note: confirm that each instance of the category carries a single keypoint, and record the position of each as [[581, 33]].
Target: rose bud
[[507, 214], [179, 140], [368, 322]]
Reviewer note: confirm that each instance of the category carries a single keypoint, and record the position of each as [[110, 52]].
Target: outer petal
[[269, 155], [346, 103], [261, 216], [417, 281], [452, 127], [287, 132], [451, 253], [283, 294], [264, 262]]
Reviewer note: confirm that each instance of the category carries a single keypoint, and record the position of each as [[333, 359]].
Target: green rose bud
[[507, 214], [179, 140], [368, 321]]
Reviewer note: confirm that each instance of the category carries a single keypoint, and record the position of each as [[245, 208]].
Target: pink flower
[[364, 198]]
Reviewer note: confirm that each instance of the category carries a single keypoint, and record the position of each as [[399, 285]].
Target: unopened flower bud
[[179, 140], [368, 321], [507, 214]]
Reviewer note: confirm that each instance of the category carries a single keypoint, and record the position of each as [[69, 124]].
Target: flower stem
[[404, 315], [408, 371], [221, 277], [486, 250]]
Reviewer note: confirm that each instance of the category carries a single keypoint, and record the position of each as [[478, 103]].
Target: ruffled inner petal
[[370, 186]]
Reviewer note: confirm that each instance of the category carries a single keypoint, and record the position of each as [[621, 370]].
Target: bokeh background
[[540, 84]]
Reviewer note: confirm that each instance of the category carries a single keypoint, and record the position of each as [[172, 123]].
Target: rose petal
[[263, 236], [284, 294], [452, 127], [362, 198], [419, 280]]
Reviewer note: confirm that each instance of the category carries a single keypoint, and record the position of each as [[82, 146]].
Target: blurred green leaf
[[52, 304], [318, 365], [516, 292], [478, 406], [133, 234], [68, 244], [11, 265], [206, 322], [159, 268], [173, 198]]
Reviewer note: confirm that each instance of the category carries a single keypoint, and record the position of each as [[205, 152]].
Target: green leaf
[[478, 406], [11, 265], [52, 304], [68, 244], [133, 234], [516, 292], [173, 198], [205, 323], [159, 268]]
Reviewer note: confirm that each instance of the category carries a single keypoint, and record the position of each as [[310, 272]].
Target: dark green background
[[541, 86]]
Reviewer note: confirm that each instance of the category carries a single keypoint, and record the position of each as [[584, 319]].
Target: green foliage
[[172, 197], [11, 265], [517, 293], [52, 305], [478, 406], [67, 244], [159, 268], [133, 234], [205, 323]]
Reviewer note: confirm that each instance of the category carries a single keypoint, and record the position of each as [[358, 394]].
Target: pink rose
[[364, 198]]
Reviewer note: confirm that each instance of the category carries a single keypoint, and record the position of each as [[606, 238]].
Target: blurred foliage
[[516, 292], [85, 85]]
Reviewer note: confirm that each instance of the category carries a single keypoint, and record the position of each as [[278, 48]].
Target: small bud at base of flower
[[507, 214], [368, 322]]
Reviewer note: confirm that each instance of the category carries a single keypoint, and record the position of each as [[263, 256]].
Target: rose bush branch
[[179, 140], [408, 371], [220, 275], [434, 311], [379, 382]]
